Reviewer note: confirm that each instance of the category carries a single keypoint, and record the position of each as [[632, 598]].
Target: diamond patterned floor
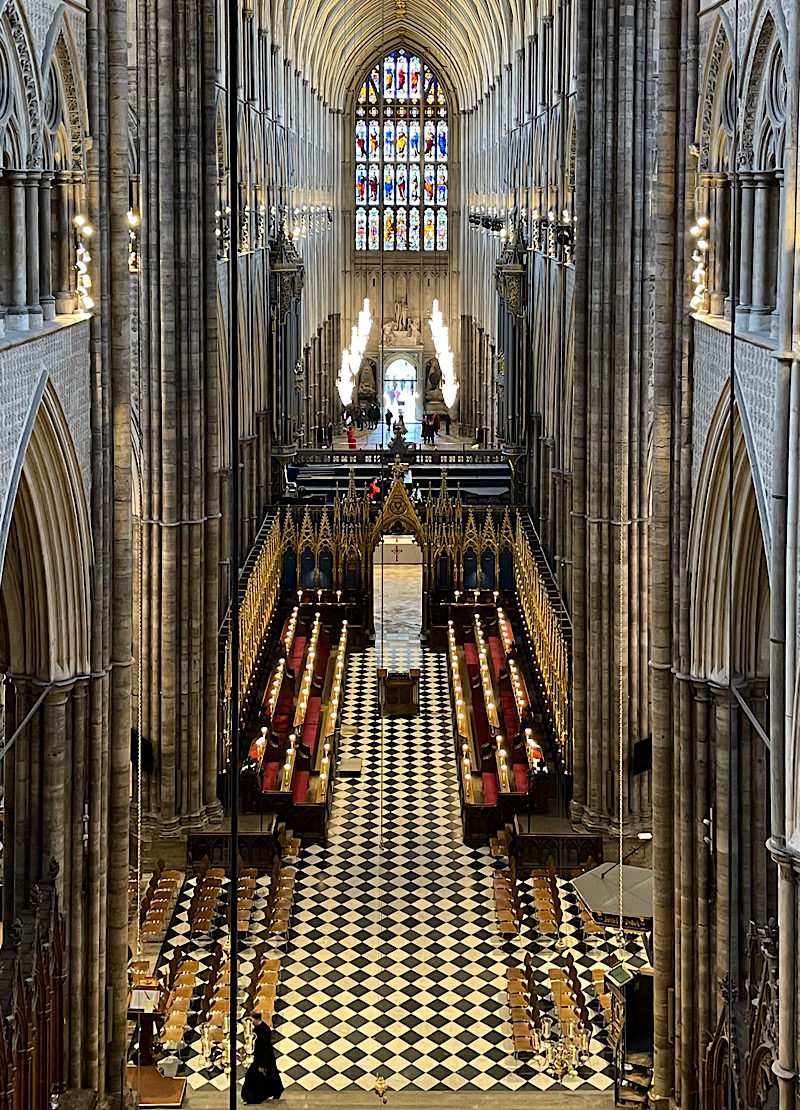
[[394, 964]]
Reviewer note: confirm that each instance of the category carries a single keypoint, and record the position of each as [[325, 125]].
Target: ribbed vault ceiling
[[332, 41]]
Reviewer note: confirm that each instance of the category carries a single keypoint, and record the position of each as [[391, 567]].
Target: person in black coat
[[262, 1080]]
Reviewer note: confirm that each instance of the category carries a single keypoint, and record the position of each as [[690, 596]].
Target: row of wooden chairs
[[500, 845], [158, 903], [263, 987], [590, 926], [205, 899], [506, 900], [246, 892], [603, 996], [280, 897], [182, 984], [568, 994], [215, 1001], [524, 1006], [547, 902], [288, 844]]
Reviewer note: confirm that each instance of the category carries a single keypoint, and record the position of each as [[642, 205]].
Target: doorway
[[397, 598], [400, 392]]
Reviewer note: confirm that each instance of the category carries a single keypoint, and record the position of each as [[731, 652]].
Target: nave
[[393, 963]]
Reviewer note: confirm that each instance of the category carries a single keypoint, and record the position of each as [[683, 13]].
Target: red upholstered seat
[[311, 722], [521, 777], [482, 734], [298, 650], [300, 786], [490, 787], [270, 776]]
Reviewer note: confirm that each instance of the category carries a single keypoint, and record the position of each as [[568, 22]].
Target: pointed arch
[[46, 550], [711, 560]]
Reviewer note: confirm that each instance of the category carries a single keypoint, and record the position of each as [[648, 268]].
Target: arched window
[[402, 144]]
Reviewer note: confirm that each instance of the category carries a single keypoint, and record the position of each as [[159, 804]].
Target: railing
[[379, 456], [259, 586], [548, 637]]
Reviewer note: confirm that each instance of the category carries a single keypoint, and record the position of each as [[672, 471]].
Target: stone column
[[747, 207], [722, 821], [17, 317], [53, 752], [718, 195], [32, 251], [760, 307], [65, 296], [5, 275], [46, 298]]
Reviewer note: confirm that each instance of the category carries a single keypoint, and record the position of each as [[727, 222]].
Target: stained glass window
[[402, 147], [361, 229]]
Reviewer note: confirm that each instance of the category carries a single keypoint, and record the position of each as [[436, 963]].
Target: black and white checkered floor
[[394, 964]]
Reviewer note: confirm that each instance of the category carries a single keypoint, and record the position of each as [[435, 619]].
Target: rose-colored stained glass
[[401, 231], [361, 229], [374, 229]]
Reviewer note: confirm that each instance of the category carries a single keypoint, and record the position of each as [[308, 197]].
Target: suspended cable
[[732, 753], [233, 388]]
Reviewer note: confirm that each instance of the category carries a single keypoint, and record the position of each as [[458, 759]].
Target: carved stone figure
[[401, 315], [366, 379], [433, 382]]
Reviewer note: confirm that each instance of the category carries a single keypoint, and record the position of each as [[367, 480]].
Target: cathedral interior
[[399, 524]]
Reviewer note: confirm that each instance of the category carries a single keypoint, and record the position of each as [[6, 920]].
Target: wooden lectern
[[398, 692]]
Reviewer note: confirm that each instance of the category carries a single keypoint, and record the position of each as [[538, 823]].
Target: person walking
[[448, 420], [388, 419], [262, 1080]]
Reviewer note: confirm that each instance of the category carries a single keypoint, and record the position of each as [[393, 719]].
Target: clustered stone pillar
[[65, 295], [719, 215], [25, 268], [46, 298], [17, 317], [178, 372], [32, 251], [762, 304], [747, 209]]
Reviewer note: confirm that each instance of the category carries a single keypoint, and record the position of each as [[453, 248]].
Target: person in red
[[436, 423], [374, 489], [351, 439]]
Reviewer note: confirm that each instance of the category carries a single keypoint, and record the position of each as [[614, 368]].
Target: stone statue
[[433, 382], [401, 315], [366, 380], [415, 331], [388, 334]]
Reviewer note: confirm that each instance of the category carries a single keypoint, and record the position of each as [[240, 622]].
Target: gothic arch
[[765, 100], [20, 93], [46, 550], [710, 559], [63, 80], [398, 509], [718, 61]]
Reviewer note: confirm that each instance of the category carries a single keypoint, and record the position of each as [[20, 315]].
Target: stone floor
[[398, 601], [380, 437], [417, 1100]]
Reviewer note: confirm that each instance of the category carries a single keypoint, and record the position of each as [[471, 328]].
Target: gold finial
[[381, 1088]]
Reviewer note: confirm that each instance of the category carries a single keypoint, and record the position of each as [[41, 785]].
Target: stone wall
[[63, 355], [755, 385]]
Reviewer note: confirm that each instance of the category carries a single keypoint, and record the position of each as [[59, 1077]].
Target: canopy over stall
[[598, 890]]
